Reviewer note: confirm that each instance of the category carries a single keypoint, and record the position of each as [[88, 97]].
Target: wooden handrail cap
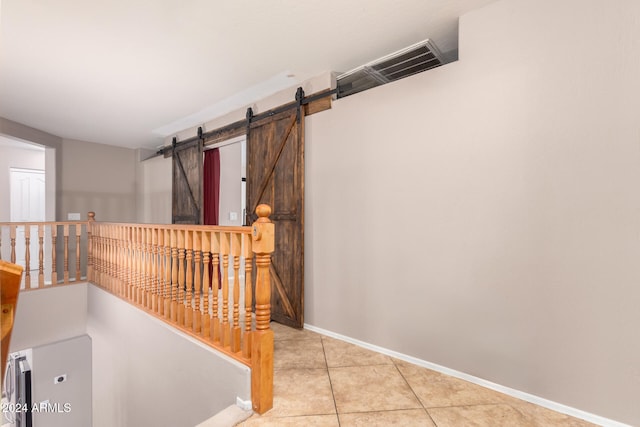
[[263, 211]]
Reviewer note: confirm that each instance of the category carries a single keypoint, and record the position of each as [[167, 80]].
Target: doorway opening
[[27, 202], [27, 171], [233, 166]]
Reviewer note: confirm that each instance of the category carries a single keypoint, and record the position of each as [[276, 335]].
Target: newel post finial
[[263, 245], [263, 211], [91, 216]]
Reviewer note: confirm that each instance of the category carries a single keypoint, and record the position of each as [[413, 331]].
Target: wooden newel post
[[91, 217], [262, 338]]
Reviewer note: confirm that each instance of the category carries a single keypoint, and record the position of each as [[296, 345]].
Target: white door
[[27, 205]]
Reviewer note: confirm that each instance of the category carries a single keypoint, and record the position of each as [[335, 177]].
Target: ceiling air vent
[[403, 63]]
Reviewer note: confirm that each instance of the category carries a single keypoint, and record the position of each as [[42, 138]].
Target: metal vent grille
[[414, 59]]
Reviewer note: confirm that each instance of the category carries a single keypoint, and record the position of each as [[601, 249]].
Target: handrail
[[55, 249], [171, 272]]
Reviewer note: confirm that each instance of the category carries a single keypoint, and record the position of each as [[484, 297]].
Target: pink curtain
[[211, 196]]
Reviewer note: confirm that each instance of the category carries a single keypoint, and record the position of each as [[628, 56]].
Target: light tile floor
[[320, 381]]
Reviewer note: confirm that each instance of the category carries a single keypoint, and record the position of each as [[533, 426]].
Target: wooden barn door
[[187, 184], [275, 176]]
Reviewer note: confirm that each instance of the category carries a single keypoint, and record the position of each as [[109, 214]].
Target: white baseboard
[[554, 406]]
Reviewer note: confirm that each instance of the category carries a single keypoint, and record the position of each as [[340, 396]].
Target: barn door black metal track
[[301, 100]]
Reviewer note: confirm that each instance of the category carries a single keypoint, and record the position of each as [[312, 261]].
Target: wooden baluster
[[95, 261], [133, 231], [27, 256], [103, 255], [122, 263], [125, 235], [111, 233], [126, 261], [142, 265], [174, 275], [154, 270], [97, 255], [160, 278], [12, 237], [215, 287], [188, 321], [226, 326], [150, 262], [78, 235], [106, 262], [111, 269], [54, 272], [248, 295], [197, 283], [101, 251], [113, 259], [236, 250], [262, 337], [181, 257], [65, 231], [40, 255], [121, 235], [114, 265], [139, 265], [91, 218], [106, 267], [146, 260], [167, 274], [131, 263], [206, 255]]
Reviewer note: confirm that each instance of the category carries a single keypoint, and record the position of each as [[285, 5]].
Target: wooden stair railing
[[182, 275], [178, 273], [51, 253], [10, 277]]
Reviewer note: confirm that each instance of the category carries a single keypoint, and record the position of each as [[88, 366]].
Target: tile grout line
[[414, 393], [335, 405]]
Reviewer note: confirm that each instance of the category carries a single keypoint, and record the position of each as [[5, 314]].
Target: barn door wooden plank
[[275, 176], [187, 184]]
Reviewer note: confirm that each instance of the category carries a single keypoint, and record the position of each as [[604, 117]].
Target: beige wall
[[99, 178], [164, 378], [153, 177], [49, 315], [88, 177], [484, 215]]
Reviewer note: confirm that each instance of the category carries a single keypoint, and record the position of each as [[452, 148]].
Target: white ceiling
[[114, 71]]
